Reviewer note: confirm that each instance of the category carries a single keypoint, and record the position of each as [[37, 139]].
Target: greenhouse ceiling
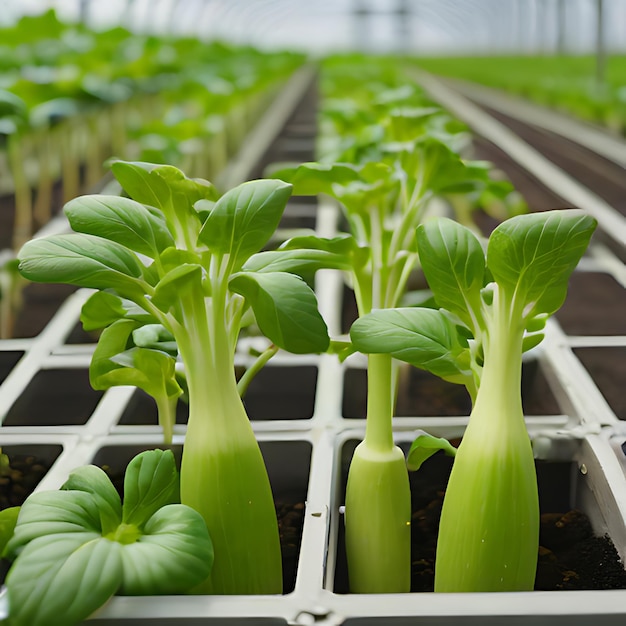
[[415, 26]]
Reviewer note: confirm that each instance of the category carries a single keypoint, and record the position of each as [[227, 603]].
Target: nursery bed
[[321, 408]]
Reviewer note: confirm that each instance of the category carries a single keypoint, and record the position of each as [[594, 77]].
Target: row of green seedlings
[[566, 84], [197, 122], [385, 152], [179, 271]]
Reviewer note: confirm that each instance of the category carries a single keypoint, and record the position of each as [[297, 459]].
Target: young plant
[[77, 547], [384, 201], [192, 279], [493, 308]]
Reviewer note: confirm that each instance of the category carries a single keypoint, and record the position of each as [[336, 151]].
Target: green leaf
[[151, 482], [103, 308], [425, 338], [342, 245], [168, 189], [175, 283], [454, 265], [306, 254], [156, 184], [140, 183], [52, 513], [113, 340], [531, 257], [74, 574], [310, 179], [149, 566], [122, 220], [83, 260], [94, 481], [285, 308], [8, 519], [300, 262], [424, 446], [244, 218], [155, 337]]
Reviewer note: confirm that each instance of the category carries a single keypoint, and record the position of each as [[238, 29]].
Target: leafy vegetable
[[175, 262], [493, 308], [76, 547], [392, 153]]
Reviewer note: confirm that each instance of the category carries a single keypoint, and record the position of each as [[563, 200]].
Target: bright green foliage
[[76, 547], [493, 307], [197, 283], [385, 152]]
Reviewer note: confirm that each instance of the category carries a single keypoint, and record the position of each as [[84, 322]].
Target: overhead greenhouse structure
[[312, 312]]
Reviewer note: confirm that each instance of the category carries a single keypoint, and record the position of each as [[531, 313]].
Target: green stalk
[[166, 410], [489, 531], [223, 474], [378, 499]]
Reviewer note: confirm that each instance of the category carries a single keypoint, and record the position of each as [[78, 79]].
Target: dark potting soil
[[25, 471], [570, 556], [8, 360], [595, 305], [288, 465]]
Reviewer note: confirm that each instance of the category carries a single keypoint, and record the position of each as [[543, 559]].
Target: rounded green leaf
[[533, 256], [8, 520], [425, 338], [244, 218], [121, 220], [424, 446], [454, 264], [174, 554], [151, 481], [52, 513], [92, 480], [178, 280], [83, 260], [74, 574], [285, 308]]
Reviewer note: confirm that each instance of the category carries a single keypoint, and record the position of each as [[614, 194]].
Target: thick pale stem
[[223, 475], [489, 530], [378, 499]]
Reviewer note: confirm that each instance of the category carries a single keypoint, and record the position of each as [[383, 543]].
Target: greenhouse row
[[313, 314]]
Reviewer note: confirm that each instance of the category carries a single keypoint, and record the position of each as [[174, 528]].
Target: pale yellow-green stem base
[[489, 531], [488, 536], [378, 522], [226, 481]]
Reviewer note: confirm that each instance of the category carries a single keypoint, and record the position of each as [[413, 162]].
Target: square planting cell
[[421, 393], [275, 393], [571, 556], [288, 464], [594, 305], [607, 366], [55, 397]]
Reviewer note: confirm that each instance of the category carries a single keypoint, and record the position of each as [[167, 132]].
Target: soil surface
[[570, 556]]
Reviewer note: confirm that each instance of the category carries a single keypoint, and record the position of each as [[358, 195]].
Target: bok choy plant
[[384, 201], [175, 255], [493, 307], [76, 547]]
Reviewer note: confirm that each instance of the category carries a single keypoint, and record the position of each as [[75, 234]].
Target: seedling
[[493, 309], [77, 547], [195, 278]]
